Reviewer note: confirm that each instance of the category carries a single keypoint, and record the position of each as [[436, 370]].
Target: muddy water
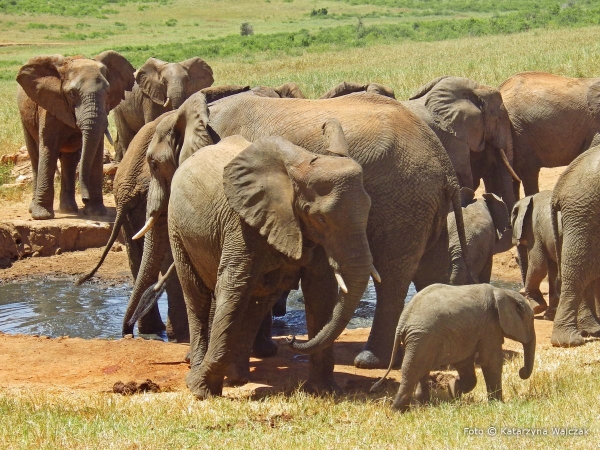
[[56, 307]]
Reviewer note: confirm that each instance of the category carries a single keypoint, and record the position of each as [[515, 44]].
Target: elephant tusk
[[340, 282], [149, 224], [109, 137], [167, 102], [375, 274], [508, 166]]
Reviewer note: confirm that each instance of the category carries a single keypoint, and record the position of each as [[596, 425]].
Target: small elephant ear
[[289, 90], [343, 88], [148, 79], [521, 218], [200, 75], [120, 75], [467, 196], [593, 100], [259, 188], [214, 93], [499, 213], [515, 314], [457, 109], [380, 89], [41, 79]]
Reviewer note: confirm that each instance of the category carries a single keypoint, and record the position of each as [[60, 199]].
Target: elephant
[[159, 87], [346, 88], [533, 235], [448, 325], [286, 90], [575, 205], [64, 104], [246, 222], [407, 174], [487, 226], [553, 118]]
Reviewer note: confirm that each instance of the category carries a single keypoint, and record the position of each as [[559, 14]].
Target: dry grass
[[562, 392]]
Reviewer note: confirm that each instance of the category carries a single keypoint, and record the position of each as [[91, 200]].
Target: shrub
[[319, 12], [246, 29], [171, 22]]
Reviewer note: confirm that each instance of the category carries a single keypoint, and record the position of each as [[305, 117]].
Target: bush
[[171, 22], [246, 29], [319, 12]]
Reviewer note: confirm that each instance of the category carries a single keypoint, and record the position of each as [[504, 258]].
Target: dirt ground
[[96, 364]]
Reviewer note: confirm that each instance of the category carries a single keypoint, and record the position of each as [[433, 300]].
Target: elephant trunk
[[92, 120], [155, 245], [157, 204], [356, 280], [528, 357], [176, 94]]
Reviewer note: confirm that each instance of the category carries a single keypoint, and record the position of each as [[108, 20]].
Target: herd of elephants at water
[[230, 196]]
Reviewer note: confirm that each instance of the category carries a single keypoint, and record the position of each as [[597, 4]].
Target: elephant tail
[[554, 210], [119, 219], [460, 229], [151, 296], [399, 338], [423, 90]]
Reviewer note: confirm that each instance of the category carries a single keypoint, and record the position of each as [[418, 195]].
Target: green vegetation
[[89, 8]]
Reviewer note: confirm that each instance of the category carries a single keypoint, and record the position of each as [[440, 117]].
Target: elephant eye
[[321, 219]]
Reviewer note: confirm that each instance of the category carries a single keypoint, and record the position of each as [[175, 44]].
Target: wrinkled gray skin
[[554, 119], [64, 104], [487, 226], [246, 222], [407, 174], [536, 250], [576, 203], [130, 189], [472, 123], [160, 87], [346, 88], [286, 90], [450, 324]]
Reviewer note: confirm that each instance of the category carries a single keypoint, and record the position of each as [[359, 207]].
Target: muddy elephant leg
[[264, 346], [43, 200], [466, 380], [486, 272], [434, 266], [414, 369], [320, 293], [33, 150], [587, 320], [68, 169], [536, 272], [94, 206], [177, 326], [530, 180], [491, 359], [553, 291], [423, 391]]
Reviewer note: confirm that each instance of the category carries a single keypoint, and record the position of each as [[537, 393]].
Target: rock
[[58, 251], [128, 336]]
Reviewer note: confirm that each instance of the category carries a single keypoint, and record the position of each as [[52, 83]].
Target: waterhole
[[56, 307]]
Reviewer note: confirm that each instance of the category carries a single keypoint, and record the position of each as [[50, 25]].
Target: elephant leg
[[264, 346], [43, 201], [536, 272], [587, 320], [94, 206], [466, 380], [553, 292], [414, 369], [135, 249], [531, 180], [486, 272], [320, 292], [68, 169], [177, 326], [123, 138], [33, 150], [434, 266], [423, 391]]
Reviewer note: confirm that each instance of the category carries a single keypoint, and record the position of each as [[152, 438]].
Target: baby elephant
[[536, 249], [448, 325]]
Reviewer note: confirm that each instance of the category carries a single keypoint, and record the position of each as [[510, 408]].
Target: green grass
[[562, 392]]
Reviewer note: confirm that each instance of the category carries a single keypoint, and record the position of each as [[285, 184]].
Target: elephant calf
[[536, 249], [486, 229], [448, 325]]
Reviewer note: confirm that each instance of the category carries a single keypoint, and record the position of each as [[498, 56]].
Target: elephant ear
[[120, 76], [149, 81], [380, 89], [259, 188], [467, 196], [200, 75], [289, 90], [214, 93], [593, 100], [457, 109], [521, 217], [192, 125], [41, 79], [499, 213], [343, 88], [426, 88], [514, 313]]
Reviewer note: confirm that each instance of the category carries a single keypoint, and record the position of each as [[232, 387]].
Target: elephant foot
[[401, 403], [264, 347], [94, 209], [538, 308], [549, 314], [589, 329], [566, 337], [369, 360], [40, 213], [203, 387], [151, 328], [238, 375], [322, 387], [68, 207]]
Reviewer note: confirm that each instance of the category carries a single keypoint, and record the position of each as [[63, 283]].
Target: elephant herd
[[237, 195]]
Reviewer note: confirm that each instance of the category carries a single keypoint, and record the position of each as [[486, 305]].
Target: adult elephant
[[247, 222], [407, 174], [554, 119], [576, 198], [160, 86], [346, 88], [64, 104], [473, 125]]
